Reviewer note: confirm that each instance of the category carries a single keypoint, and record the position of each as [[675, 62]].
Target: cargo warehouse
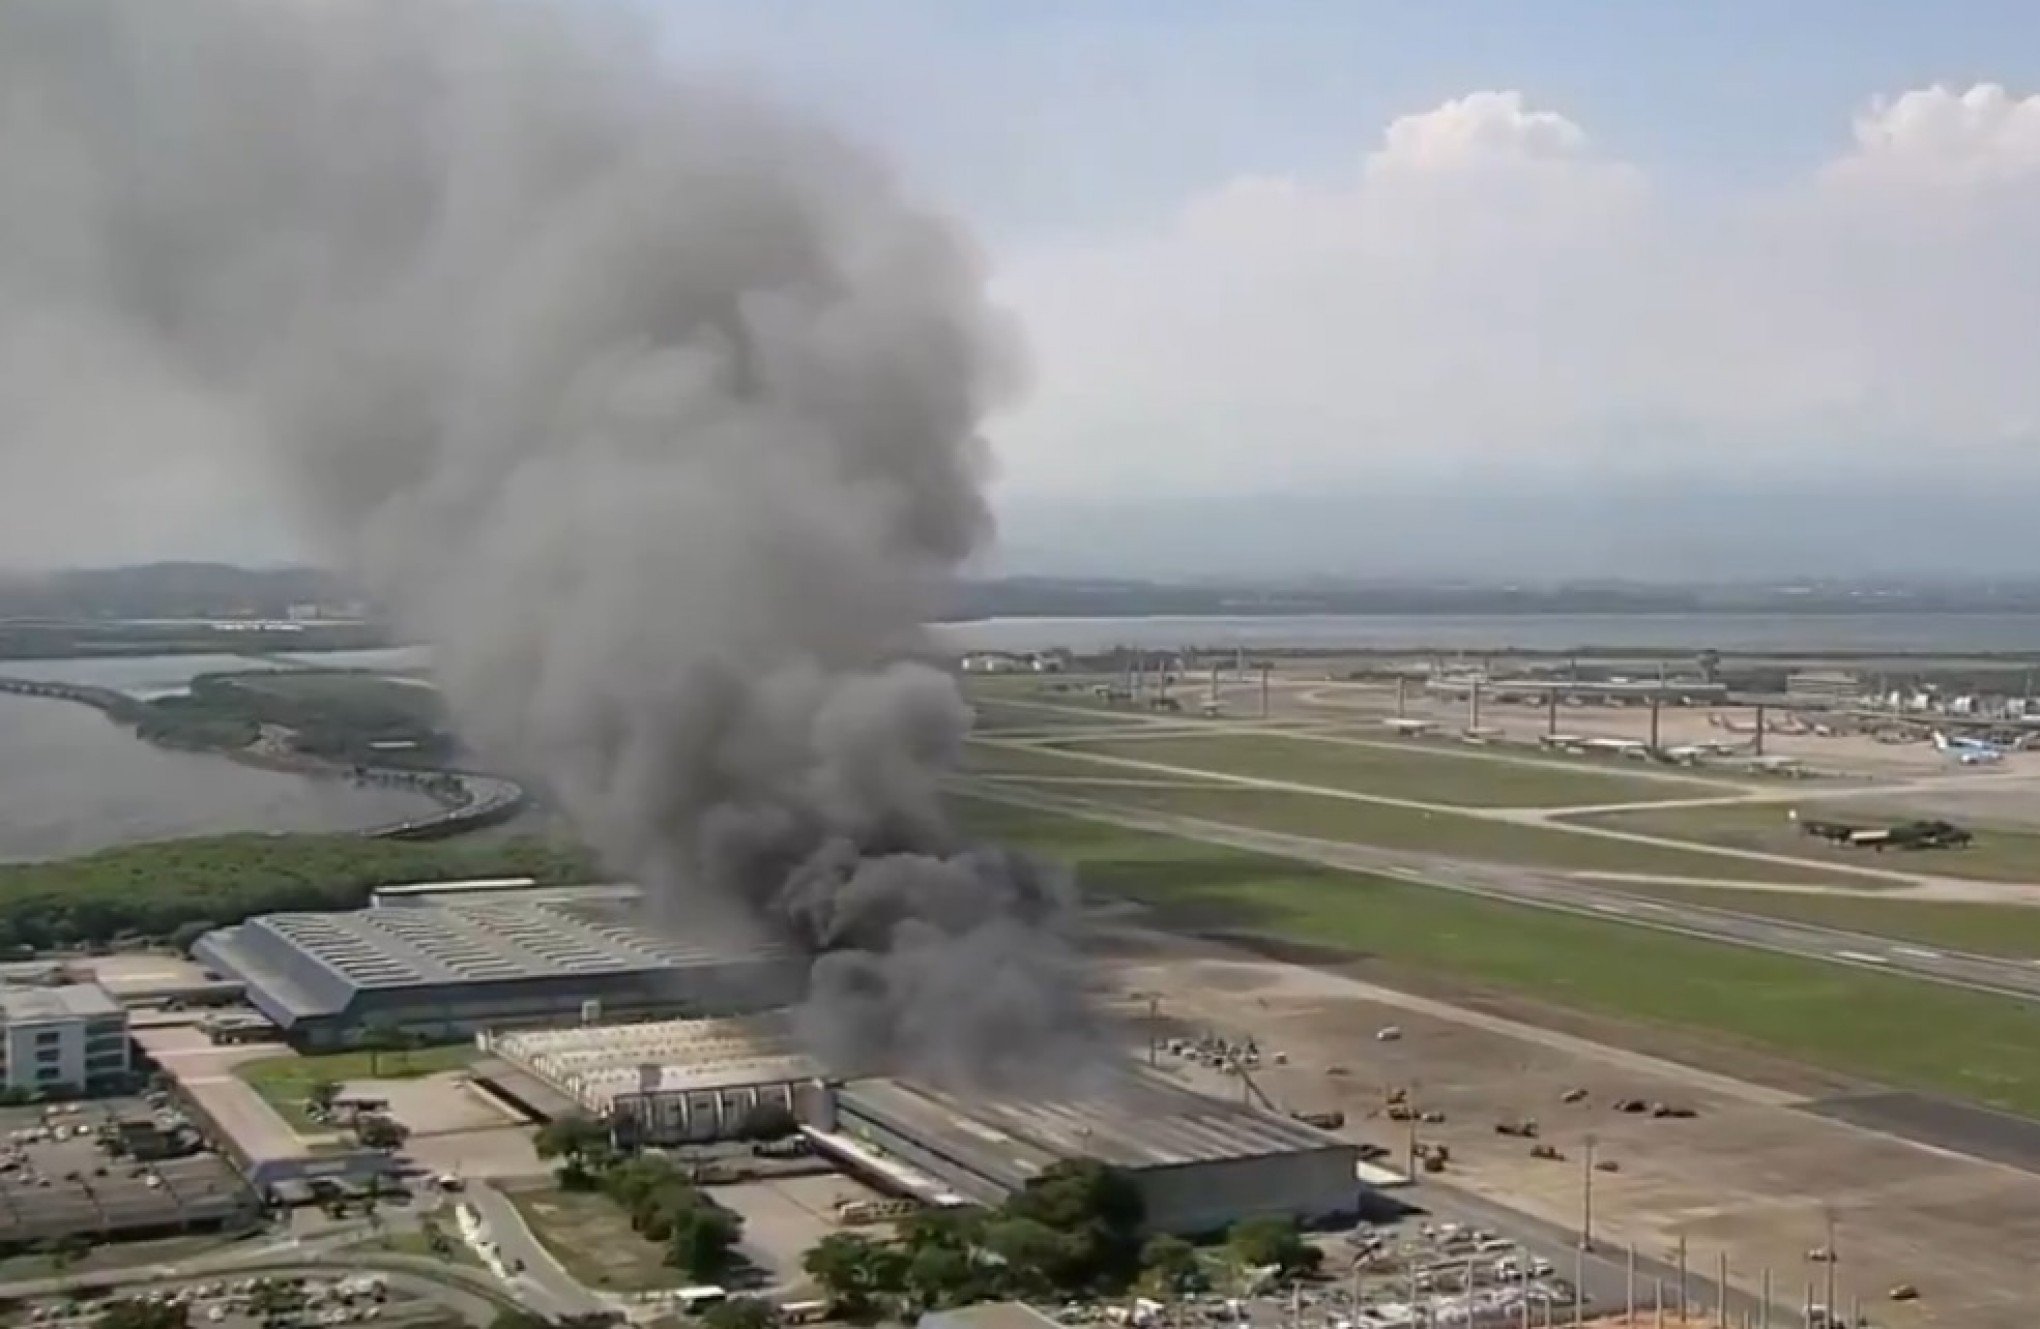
[[1201, 1163], [448, 970]]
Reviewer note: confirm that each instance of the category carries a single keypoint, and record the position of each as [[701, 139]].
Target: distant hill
[[166, 590]]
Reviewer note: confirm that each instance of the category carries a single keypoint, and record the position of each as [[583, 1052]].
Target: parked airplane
[[1969, 751]]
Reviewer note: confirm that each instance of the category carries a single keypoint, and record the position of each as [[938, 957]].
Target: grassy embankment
[[1387, 825], [1878, 1026], [1996, 854]]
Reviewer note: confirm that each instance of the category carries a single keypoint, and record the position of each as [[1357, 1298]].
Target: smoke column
[[653, 410]]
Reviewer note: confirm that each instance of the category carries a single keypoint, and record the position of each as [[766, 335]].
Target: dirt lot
[[1751, 1175]]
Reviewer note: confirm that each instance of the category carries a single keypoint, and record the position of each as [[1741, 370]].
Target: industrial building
[[73, 1036], [667, 1082], [1201, 1163], [449, 970]]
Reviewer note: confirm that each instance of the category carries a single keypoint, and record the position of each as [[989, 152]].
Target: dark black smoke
[[654, 410]]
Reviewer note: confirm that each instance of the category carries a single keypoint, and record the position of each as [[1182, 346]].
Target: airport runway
[[1548, 890]]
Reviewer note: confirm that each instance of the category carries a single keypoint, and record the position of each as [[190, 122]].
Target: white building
[[71, 1037]]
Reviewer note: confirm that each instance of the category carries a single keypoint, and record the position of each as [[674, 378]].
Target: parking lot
[[246, 1303], [59, 1175]]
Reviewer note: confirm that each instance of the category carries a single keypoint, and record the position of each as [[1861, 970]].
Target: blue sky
[[1667, 259], [1059, 116]]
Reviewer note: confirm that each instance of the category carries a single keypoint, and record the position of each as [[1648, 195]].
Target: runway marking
[[1609, 908], [1917, 953], [1862, 957]]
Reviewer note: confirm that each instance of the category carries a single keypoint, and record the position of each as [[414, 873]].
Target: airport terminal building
[[449, 970]]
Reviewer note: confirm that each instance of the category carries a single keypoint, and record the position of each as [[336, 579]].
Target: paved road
[[2004, 977], [544, 1283]]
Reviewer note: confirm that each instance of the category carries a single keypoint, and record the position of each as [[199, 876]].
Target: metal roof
[[316, 962], [1133, 1121], [71, 1001], [598, 1063]]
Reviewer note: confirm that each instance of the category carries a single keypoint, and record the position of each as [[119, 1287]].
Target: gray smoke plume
[[655, 411]]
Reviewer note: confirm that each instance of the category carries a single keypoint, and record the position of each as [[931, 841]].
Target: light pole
[[1587, 1197], [1834, 1257]]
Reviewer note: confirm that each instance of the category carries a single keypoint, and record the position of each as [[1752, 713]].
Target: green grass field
[[989, 758], [1890, 1029], [1396, 770], [1986, 929], [1996, 855], [285, 1082], [1386, 826], [1047, 715]]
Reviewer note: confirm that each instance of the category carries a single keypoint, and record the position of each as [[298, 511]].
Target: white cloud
[[1485, 293]]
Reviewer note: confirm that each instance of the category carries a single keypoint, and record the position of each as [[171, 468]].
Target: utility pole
[[1683, 1303], [1764, 1311], [1834, 1257], [1154, 1029], [1629, 1288], [1721, 1289], [1657, 701], [1579, 1287], [1587, 1197], [1473, 707], [1265, 667], [1660, 1323], [1551, 712], [1760, 729], [1402, 696]]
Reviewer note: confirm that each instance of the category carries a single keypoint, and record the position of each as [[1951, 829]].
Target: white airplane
[[1969, 751]]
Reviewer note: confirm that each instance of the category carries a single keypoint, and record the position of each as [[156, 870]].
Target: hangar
[[1201, 1163], [448, 970]]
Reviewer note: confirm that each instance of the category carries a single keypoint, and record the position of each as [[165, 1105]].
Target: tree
[[376, 1131], [741, 1313], [583, 1146], [319, 1099], [855, 1273], [185, 935], [1037, 1259], [1098, 1209], [702, 1238], [1273, 1240], [378, 1038], [1168, 1265], [132, 1314], [939, 1276]]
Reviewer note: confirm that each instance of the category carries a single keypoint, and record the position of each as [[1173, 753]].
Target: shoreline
[[476, 803]]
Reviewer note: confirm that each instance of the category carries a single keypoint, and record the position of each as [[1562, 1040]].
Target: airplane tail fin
[[1940, 740]]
